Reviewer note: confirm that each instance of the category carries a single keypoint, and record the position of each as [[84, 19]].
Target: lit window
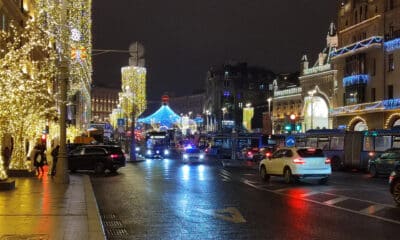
[[390, 63]]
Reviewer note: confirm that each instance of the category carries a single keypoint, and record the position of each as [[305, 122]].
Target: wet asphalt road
[[166, 199]]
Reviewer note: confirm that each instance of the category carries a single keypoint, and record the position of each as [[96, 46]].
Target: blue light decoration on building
[[163, 116], [227, 93], [364, 43], [391, 103], [355, 79], [392, 45]]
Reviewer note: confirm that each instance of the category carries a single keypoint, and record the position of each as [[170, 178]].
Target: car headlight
[[166, 152], [158, 151], [201, 156], [148, 152], [185, 156], [137, 149]]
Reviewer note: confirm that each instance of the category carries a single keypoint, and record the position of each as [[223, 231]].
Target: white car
[[295, 164], [192, 155]]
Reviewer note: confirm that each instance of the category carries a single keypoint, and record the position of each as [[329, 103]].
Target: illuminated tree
[[27, 71]]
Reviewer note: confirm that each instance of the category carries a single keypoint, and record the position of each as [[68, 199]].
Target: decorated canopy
[[164, 116]]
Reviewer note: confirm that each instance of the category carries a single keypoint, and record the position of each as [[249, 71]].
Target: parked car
[[384, 163], [97, 158], [264, 152], [190, 155], [394, 182], [295, 164]]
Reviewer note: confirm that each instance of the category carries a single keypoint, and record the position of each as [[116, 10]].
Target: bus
[[349, 149]]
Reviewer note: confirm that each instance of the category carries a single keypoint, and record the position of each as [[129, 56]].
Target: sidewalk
[[38, 208]]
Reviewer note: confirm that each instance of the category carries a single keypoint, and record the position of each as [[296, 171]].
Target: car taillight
[[114, 155], [371, 154], [327, 161], [268, 154], [299, 161], [249, 153]]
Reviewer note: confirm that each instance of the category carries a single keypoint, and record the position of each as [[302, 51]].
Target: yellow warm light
[[134, 90]]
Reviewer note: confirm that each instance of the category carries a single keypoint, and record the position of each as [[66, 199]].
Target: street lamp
[[311, 94], [269, 113]]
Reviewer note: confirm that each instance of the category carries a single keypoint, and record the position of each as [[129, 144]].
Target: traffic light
[[43, 138], [288, 127], [298, 127]]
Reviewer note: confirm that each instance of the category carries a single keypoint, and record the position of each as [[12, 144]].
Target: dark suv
[[384, 163], [97, 158]]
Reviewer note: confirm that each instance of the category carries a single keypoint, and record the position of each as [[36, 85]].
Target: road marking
[[335, 200], [309, 194], [372, 209], [229, 214]]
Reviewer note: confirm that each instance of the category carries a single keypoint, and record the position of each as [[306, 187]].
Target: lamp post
[[311, 94], [129, 96], [269, 114]]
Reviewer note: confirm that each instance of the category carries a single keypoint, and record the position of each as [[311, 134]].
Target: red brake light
[[299, 161], [327, 161], [249, 153], [114, 155], [311, 149], [371, 154], [268, 154]]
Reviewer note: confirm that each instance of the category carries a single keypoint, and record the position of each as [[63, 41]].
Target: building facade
[[368, 93], [104, 100], [192, 105], [232, 87]]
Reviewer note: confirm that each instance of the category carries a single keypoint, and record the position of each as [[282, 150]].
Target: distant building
[[188, 105], [104, 100], [368, 91], [229, 88]]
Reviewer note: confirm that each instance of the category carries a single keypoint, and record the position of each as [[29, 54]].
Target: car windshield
[[310, 152], [192, 150]]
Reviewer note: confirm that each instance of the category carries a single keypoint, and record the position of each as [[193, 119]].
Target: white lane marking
[[372, 209], [335, 200], [282, 193], [309, 194], [229, 214]]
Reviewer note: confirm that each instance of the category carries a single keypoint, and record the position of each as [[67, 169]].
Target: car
[[394, 183], [263, 153], [190, 155], [158, 151], [384, 163], [250, 153], [96, 157], [295, 164]]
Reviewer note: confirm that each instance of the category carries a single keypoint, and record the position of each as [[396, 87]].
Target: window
[[373, 94], [373, 72], [390, 63], [390, 91]]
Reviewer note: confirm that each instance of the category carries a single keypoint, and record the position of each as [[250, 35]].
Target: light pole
[[311, 93], [269, 114]]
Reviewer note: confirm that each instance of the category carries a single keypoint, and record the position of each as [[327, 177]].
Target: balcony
[[372, 42], [355, 80], [288, 92]]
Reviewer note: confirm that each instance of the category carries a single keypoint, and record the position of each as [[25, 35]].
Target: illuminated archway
[[358, 124], [393, 120], [315, 113]]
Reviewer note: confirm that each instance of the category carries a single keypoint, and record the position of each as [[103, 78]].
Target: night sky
[[183, 38]]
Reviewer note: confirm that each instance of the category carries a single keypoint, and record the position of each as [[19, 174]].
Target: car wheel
[[287, 175], [396, 192], [323, 180], [263, 174], [372, 171], [99, 169]]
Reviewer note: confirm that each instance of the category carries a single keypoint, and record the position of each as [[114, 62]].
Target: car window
[[277, 154], [310, 152], [288, 153], [76, 152], [192, 150], [94, 151]]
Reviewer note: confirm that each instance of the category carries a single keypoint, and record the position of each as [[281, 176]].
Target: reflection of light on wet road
[[200, 170], [185, 172]]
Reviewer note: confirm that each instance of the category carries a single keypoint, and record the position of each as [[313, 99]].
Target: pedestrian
[[6, 157], [38, 160], [54, 155]]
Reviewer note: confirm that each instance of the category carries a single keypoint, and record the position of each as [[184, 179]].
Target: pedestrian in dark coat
[[54, 155], [38, 160]]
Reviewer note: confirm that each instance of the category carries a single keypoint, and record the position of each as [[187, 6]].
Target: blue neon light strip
[[355, 79], [163, 116], [391, 103], [392, 45], [356, 46]]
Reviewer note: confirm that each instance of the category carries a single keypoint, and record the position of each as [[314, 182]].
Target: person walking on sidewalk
[[38, 159], [54, 154]]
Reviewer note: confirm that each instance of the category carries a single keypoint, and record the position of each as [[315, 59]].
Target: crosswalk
[[385, 212]]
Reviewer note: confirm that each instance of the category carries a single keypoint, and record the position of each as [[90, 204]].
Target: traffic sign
[[290, 141], [121, 122]]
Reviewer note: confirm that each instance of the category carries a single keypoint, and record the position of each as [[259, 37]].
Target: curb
[[95, 225]]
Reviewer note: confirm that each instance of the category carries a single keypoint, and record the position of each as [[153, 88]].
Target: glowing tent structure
[[165, 117]]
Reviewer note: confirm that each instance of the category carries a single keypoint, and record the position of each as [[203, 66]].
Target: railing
[[289, 91]]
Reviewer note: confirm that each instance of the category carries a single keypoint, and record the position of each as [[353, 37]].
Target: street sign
[[121, 122], [290, 141]]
